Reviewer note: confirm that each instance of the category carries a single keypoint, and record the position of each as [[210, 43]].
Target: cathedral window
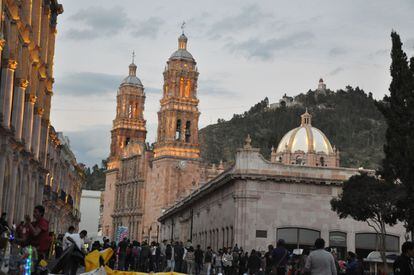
[[181, 87], [178, 130], [188, 88], [322, 161], [129, 111], [187, 131]]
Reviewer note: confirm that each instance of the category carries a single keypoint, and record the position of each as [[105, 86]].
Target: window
[[299, 160], [322, 161], [129, 111], [178, 130], [187, 131], [261, 233], [337, 241], [368, 242], [298, 237]]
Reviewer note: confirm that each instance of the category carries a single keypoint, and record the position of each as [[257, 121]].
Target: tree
[[369, 199], [398, 111]]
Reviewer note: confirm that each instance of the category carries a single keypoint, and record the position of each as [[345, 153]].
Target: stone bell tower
[[178, 116], [129, 122], [175, 170], [128, 127]]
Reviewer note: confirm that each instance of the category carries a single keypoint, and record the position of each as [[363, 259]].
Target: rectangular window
[[261, 233]]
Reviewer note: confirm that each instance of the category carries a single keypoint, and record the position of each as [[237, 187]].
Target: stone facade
[[35, 164], [141, 182], [253, 203]]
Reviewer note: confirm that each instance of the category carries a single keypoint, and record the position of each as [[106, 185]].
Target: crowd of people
[[184, 258], [69, 250]]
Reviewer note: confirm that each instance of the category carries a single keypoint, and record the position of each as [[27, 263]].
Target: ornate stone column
[[18, 108], [12, 194], [36, 131], [28, 121], [7, 77]]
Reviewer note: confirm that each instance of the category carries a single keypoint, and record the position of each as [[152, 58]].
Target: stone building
[[256, 201], [141, 182], [29, 147]]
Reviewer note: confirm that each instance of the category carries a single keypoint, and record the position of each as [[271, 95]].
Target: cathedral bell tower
[[129, 122], [178, 116]]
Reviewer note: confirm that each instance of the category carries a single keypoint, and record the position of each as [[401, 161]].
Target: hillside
[[349, 118]]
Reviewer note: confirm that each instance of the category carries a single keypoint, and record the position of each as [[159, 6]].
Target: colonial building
[[31, 154], [142, 182], [256, 201]]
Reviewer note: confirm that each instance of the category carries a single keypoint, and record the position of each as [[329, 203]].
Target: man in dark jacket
[[403, 265], [280, 257], [198, 255]]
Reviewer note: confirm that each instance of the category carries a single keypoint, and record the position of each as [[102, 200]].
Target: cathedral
[[167, 192], [142, 182]]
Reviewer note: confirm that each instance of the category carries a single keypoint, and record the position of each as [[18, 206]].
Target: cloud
[[87, 83], [148, 28], [336, 71], [92, 84], [410, 43], [95, 22], [248, 17], [265, 49], [338, 51], [90, 145], [212, 87]]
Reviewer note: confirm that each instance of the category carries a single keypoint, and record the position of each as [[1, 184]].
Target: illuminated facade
[[142, 182], [36, 163]]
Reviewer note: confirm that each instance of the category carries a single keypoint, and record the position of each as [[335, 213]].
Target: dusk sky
[[245, 51]]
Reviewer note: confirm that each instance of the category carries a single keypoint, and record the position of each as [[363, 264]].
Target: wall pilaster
[[13, 189], [7, 76], [36, 131], [18, 107], [28, 121]]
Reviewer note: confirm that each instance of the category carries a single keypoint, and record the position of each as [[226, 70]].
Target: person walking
[[253, 263], [403, 264], [208, 260], [280, 257], [198, 254], [169, 255], [227, 260], [122, 254], [189, 258], [269, 259], [320, 261]]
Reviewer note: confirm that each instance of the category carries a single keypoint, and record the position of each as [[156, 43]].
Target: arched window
[[322, 161], [181, 87], [178, 130], [187, 131], [299, 160], [188, 88], [129, 111]]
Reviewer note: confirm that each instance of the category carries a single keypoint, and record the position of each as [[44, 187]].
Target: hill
[[348, 117]]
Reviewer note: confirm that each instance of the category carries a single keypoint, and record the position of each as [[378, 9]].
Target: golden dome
[[305, 138]]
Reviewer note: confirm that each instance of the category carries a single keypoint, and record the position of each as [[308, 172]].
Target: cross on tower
[[183, 26], [133, 56]]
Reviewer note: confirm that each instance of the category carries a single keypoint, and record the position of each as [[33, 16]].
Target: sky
[[245, 51]]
